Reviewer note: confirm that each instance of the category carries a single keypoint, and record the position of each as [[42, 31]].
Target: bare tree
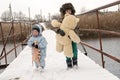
[[5, 16], [56, 16], [38, 17], [21, 16], [15, 16]]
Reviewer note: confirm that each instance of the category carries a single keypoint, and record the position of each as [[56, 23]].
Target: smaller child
[[39, 45]]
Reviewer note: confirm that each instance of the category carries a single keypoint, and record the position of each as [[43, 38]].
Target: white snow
[[21, 68]]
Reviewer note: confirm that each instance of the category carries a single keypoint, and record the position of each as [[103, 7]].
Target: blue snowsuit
[[42, 45]]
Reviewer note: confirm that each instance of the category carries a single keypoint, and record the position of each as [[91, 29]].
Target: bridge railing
[[99, 31], [14, 30]]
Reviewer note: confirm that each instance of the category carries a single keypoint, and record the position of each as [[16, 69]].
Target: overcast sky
[[48, 6]]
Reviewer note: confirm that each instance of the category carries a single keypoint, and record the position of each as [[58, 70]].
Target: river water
[[110, 45]]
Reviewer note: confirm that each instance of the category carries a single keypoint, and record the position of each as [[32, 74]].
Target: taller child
[[68, 8], [66, 38]]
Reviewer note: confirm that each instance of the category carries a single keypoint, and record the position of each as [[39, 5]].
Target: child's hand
[[35, 45]]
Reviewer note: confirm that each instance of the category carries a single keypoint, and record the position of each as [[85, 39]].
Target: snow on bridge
[[21, 67]]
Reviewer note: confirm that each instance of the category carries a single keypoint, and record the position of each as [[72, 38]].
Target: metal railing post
[[13, 31], [4, 50], [21, 35], [100, 40]]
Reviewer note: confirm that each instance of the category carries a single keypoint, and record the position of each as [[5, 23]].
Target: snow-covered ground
[[21, 68]]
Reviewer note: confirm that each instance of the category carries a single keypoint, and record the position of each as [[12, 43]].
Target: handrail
[[103, 7], [99, 31], [102, 31], [12, 34], [1, 57], [106, 54]]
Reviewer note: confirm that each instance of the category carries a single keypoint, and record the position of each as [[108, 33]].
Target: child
[[39, 45], [68, 8]]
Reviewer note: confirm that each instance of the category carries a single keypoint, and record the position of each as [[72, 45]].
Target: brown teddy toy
[[36, 54], [65, 35]]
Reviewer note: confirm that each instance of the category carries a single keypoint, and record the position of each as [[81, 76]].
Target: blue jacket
[[42, 43]]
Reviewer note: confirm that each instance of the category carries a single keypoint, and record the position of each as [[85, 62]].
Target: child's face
[[35, 33], [68, 11]]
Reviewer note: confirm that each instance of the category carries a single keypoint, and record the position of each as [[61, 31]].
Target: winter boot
[[40, 69], [69, 64], [75, 63]]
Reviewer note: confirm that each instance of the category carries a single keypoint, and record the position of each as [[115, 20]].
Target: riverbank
[[108, 21]]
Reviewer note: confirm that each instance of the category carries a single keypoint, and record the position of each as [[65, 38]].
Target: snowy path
[[21, 67]]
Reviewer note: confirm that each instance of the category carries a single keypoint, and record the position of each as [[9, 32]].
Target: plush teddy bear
[[65, 34]]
